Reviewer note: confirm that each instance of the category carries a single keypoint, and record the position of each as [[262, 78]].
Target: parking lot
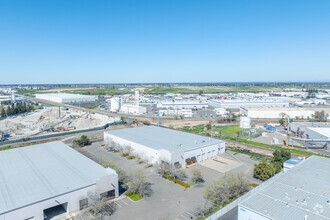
[[168, 200]]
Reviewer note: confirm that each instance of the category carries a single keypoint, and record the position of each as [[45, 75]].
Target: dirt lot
[[48, 120]]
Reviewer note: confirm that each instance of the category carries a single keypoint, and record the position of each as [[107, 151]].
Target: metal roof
[[293, 161], [164, 138], [302, 191], [325, 131], [35, 173]]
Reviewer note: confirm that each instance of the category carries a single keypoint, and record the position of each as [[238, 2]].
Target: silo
[[115, 104]]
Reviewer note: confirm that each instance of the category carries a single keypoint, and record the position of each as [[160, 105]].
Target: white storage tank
[[115, 104], [245, 122]]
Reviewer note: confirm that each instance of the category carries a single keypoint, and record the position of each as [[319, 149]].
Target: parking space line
[[184, 217], [190, 214], [117, 204], [124, 202]]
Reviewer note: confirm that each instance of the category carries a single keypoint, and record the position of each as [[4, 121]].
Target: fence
[[59, 134]]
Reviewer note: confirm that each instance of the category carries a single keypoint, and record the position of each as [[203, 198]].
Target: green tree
[[281, 156], [82, 141], [278, 166], [136, 181], [264, 170], [229, 186], [281, 121], [3, 113]]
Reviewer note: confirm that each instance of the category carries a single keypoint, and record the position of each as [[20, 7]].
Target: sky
[[158, 41]]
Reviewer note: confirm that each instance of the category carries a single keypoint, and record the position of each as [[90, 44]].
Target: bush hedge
[[171, 178]]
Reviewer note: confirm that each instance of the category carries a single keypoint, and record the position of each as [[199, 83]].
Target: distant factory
[[67, 98], [117, 105], [276, 112]]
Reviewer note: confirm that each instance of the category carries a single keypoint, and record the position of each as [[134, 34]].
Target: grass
[[10, 147], [93, 106], [192, 184], [205, 89], [133, 196], [229, 133]]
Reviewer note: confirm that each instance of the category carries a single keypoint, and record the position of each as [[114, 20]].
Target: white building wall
[[144, 152], [72, 199], [133, 109], [277, 113]]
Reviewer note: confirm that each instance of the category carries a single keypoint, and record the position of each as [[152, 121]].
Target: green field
[[203, 89]]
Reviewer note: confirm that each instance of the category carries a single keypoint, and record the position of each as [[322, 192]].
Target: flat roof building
[[67, 98], [40, 178], [158, 144], [301, 192], [318, 133]]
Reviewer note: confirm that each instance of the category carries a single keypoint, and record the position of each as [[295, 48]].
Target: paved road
[[168, 199]]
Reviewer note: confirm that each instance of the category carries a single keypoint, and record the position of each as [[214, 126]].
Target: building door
[[198, 158], [213, 153], [209, 155], [203, 156]]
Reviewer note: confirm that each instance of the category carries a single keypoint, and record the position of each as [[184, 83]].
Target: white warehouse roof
[[35, 173], [302, 191], [325, 131], [164, 138]]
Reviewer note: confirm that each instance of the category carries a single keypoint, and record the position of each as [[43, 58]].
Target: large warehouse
[[67, 98], [301, 192], [277, 112], [158, 144], [40, 180]]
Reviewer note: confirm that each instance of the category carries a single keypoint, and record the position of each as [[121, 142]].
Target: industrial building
[[40, 180], [67, 98], [183, 105], [133, 109], [247, 103], [317, 133], [158, 144], [301, 192], [277, 112], [187, 113]]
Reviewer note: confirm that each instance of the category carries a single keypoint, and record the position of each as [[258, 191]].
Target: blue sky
[[111, 41]]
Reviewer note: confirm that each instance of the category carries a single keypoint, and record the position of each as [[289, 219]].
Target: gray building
[[301, 193], [39, 181]]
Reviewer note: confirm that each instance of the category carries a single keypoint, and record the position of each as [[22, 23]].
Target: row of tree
[[14, 109], [265, 170]]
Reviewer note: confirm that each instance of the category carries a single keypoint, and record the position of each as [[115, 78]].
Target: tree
[[321, 116], [136, 181], [197, 176], [3, 113], [208, 126], [278, 166], [121, 173], [82, 141], [281, 121], [264, 170], [100, 206], [229, 186], [281, 156], [200, 92]]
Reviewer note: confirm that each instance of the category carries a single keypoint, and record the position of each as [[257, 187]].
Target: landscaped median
[[133, 196], [171, 178]]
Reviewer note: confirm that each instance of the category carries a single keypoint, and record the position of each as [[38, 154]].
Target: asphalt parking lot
[[168, 200]]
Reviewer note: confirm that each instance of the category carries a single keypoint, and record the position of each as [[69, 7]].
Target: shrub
[[124, 154], [131, 157]]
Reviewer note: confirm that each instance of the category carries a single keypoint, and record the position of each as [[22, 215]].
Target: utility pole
[[59, 111], [128, 117], [211, 125]]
